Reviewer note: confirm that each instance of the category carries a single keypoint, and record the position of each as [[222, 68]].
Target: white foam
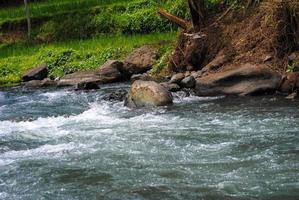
[[45, 151], [55, 95], [193, 98]]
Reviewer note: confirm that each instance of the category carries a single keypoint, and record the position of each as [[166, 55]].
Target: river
[[63, 144]]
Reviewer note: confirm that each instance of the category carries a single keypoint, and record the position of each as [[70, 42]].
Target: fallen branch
[[178, 21]]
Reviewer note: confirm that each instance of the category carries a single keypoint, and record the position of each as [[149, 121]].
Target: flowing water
[[62, 144]]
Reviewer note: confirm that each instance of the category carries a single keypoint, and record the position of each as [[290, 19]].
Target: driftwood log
[[178, 21]]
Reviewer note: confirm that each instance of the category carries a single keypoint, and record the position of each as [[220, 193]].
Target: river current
[[63, 144]]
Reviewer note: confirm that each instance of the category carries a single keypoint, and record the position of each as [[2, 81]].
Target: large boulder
[[246, 80], [38, 73], [147, 93], [140, 60], [111, 71]]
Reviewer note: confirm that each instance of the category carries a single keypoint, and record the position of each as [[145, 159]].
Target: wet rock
[[40, 83], [87, 86], [172, 87], [140, 60], [177, 78], [188, 82], [38, 73], [119, 95], [246, 80], [142, 77], [289, 83], [110, 72], [293, 96], [147, 93]]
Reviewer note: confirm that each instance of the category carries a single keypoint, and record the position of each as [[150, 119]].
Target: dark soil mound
[[265, 34]]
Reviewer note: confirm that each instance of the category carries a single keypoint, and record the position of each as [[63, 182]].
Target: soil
[[265, 34]]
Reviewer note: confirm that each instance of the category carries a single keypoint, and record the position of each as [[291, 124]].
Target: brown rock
[[289, 83], [172, 87], [246, 80], [109, 72], [177, 78], [188, 82], [147, 93], [140, 60], [38, 73], [216, 63], [40, 83]]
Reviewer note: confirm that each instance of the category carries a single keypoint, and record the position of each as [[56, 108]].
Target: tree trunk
[[28, 18], [197, 10]]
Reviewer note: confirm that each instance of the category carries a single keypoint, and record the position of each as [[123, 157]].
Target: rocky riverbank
[[246, 79]]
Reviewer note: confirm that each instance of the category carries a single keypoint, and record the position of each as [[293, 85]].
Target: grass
[[53, 7], [67, 57]]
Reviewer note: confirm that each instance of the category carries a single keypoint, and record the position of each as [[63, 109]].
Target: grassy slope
[[54, 7], [66, 57]]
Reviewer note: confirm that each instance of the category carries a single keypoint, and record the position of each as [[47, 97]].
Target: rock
[[196, 74], [246, 80], [172, 87], [87, 86], [40, 83], [140, 60], [268, 58], [38, 73], [110, 72], [119, 95], [216, 63], [289, 83], [187, 73], [293, 96], [177, 78], [143, 77], [188, 82], [147, 93]]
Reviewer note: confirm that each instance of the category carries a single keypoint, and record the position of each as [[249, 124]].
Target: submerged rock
[[38, 73], [87, 86], [140, 60], [147, 93], [246, 80], [119, 95]]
